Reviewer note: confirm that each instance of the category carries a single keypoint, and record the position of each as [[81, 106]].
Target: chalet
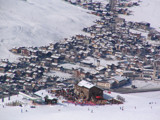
[[68, 57], [93, 34], [104, 84], [25, 51], [57, 58], [51, 46], [129, 74], [35, 75], [101, 69], [20, 82], [10, 76], [87, 91], [80, 36], [28, 86], [50, 100], [15, 50], [54, 66], [25, 59], [154, 36], [72, 59], [49, 60], [86, 63], [119, 20], [33, 58], [45, 48], [119, 71], [81, 73], [144, 25], [29, 73], [67, 68], [46, 69], [62, 50], [137, 35], [120, 80], [3, 67]]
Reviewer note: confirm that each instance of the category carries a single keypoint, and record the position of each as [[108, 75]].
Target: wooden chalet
[[87, 91], [3, 67], [120, 80]]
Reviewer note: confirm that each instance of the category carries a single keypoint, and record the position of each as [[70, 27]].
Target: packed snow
[[138, 106], [148, 94], [146, 84], [38, 23]]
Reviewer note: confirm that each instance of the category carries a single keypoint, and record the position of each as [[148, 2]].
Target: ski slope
[[38, 23], [136, 107]]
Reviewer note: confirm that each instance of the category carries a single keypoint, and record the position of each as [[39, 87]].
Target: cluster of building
[[84, 93], [115, 53]]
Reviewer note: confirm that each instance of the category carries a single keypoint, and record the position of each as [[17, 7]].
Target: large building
[[87, 91]]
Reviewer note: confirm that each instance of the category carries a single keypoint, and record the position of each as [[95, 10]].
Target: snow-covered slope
[[136, 107], [6, 54], [38, 22], [148, 11]]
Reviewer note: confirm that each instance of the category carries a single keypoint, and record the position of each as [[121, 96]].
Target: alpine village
[[111, 55]]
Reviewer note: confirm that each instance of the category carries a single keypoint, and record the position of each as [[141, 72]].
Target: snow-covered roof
[[2, 74], [86, 84], [119, 78], [44, 93], [3, 65], [103, 62], [100, 68], [119, 70], [77, 66], [55, 56]]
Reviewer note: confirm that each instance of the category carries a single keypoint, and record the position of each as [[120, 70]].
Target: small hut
[[50, 100]]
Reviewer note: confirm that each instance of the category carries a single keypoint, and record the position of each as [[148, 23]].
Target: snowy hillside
[[148, 11], [136, 107], [38, 23]]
